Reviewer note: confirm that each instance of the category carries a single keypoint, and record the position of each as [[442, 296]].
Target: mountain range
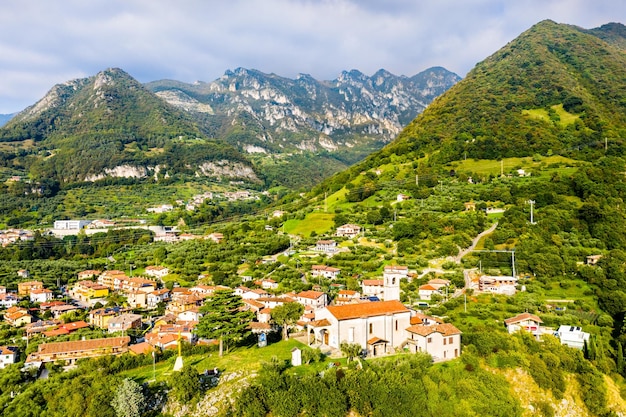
[[269, 114], [109, 125]]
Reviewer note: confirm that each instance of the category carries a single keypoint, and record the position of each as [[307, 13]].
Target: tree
[[351, 350], [224, 319], [286, 315], [129, 400], [185, 384]]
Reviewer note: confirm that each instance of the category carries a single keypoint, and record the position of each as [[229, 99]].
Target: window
[[371, 328], [450, 340], [444, 340], [429, 340], [396, 325]]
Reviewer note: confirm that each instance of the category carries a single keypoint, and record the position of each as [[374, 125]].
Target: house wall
[[433, 344], [389, 327], [6, 360]]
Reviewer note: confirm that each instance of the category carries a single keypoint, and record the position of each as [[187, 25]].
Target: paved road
[[465, 251]]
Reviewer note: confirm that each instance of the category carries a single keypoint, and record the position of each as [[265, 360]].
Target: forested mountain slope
[[110, 125]]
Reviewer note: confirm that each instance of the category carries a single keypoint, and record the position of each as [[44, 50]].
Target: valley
[[474, 265]]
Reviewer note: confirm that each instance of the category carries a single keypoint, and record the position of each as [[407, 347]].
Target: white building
[[8, 356], [372, 288], [326, 246], [378, 327], [526, 322], [156, 271], [572, 336], [70, 224], [325, 271], [348, 230], [124, 322], [441, 341], [8, 299], [315, 299], [386, 289], [347, 297], [426, 292], [498, 284], [155, 297], [40, 295]]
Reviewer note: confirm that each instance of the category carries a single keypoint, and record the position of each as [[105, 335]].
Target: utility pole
[[606, 144], [417, 180], [513, 262], [502, 167], [325, 201], [512, 252], [532, 203]]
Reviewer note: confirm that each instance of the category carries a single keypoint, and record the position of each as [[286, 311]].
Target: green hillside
[[554, 90], [81, 128]]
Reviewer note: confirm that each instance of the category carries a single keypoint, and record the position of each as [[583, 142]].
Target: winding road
[[465, 251]]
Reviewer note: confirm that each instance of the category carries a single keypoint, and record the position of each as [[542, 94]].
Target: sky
[[46, 42]]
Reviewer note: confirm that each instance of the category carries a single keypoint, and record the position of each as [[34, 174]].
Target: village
[[154, 317]]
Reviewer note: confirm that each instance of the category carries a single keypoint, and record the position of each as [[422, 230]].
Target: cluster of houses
[[379, 321], [572, 336], [198, 199], [10, 236], [373, 317]]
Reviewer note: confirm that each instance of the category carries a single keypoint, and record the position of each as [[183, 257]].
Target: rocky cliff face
[[110, 125], [269, 114]]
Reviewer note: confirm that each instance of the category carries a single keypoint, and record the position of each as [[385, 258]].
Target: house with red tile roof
[[71, 351], [347, 297], [315, 299], [325, 271], [373, 288], [254, 294], [426, 291], [382, 327], [17, 316], [8, 356], [24, 288], [67, 328], [156, 271], [156, 297], [40, 295], [526, 322], [8, 300], [441, 341], [141, 348], [348, 230], [378, 327]]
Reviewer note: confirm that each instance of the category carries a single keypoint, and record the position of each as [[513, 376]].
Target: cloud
[[44, 42]]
